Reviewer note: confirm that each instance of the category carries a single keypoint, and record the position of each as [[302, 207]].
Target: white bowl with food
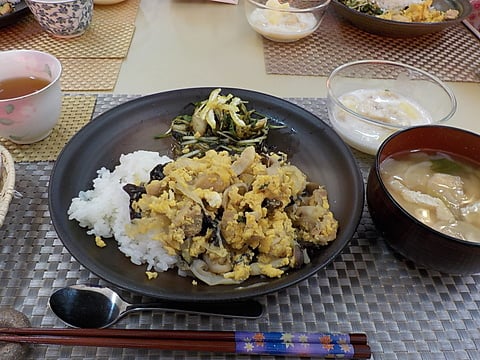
[[285, 21], [369, 100]]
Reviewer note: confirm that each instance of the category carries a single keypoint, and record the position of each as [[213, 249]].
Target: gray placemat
[[407, 312], [451, 55]]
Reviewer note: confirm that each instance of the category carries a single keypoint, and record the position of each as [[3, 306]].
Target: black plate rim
[[146, 100], [21, 9]]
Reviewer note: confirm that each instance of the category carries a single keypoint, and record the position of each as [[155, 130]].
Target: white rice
[[104, 210], [396, 4]]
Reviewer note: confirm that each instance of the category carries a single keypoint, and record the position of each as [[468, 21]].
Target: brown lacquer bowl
[[405, 234]]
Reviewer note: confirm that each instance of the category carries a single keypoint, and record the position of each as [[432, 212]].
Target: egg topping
[[229, 217]]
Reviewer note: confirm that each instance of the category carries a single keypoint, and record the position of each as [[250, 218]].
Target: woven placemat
[[452, 55], [90, 62], [101, 40], [89, 74], [407, 312], [126, 12], [77, 110]]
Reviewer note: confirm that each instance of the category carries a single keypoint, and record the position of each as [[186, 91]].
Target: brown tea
[[20, 86]]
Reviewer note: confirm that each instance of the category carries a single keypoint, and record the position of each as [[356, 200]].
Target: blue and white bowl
[[62, 18]]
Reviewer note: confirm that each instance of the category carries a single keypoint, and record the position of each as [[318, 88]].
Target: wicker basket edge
[[7, 174]]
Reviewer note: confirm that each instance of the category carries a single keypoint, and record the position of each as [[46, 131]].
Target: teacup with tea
[[30, 95]]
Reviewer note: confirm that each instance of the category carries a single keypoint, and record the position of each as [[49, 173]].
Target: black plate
[[312, 145], [375, 25], [21, 9]]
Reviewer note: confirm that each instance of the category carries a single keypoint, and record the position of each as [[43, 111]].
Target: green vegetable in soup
[[445, 166]]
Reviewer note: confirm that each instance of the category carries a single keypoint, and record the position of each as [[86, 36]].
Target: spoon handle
[[249, 309]]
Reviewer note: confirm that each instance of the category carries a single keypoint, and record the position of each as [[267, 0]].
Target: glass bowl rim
[[435, 79], [323, 4]]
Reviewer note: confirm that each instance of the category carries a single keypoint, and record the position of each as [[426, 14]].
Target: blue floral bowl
[[64, 18]]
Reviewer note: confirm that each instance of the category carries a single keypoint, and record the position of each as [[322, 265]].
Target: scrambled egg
[[151, 274], [6, 8], [99, 242], [420, 12], [232, 217]]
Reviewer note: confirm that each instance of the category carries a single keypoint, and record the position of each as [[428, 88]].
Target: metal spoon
[[83, 306]]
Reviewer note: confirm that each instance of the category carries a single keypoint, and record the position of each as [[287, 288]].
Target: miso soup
[[440, 190]]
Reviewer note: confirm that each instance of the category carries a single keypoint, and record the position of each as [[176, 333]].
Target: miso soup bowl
[[31, 117], [405, 234]]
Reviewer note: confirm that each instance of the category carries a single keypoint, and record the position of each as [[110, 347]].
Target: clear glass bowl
[[285, 21], [369, 100]]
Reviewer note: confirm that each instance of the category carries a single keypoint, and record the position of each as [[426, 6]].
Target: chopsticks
[[332, 345]]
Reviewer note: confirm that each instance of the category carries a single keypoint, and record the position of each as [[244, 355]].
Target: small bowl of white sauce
[[285, 21], [369, 100]]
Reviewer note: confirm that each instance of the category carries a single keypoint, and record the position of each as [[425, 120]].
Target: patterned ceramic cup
[[28, 116], [62, 18]]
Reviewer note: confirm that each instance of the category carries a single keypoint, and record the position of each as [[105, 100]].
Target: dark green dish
[[390, 28]]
